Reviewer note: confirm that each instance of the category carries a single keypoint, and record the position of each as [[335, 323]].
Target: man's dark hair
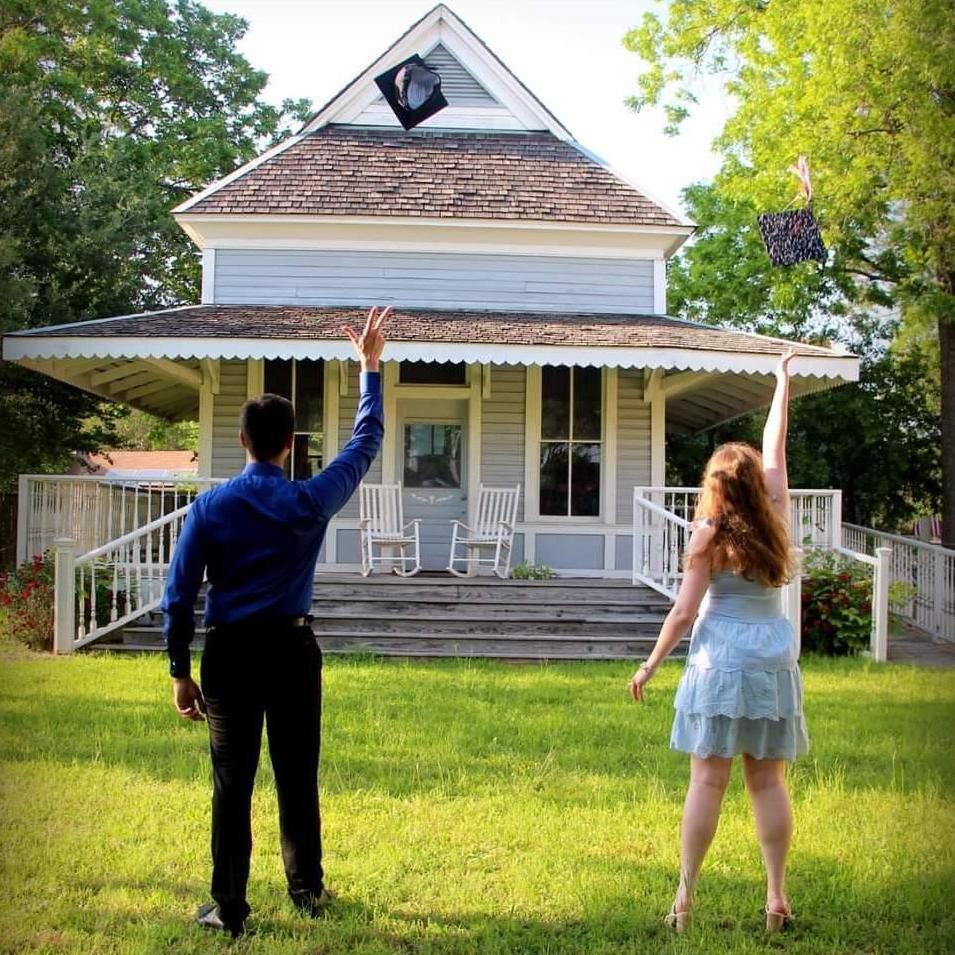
[[267, 423]]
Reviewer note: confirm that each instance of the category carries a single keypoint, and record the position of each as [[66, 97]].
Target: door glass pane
[[585, 480], [553, 482], [432, 455], [555, 402], [309, 394], [278, 377], [306, 456], [587, 404], [433, 373]]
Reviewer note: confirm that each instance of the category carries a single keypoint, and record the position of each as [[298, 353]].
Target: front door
[[432, 468]]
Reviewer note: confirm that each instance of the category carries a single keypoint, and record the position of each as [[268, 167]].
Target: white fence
[[94, 510], [661, 522]]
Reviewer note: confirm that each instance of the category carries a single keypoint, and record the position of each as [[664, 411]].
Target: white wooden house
[[529, 345]]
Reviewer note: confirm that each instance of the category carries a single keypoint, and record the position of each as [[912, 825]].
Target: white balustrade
[[926, 572], [112, 585], [93, 510], [661, 528]]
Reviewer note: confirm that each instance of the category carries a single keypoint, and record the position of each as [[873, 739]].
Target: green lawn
[[472, 807]]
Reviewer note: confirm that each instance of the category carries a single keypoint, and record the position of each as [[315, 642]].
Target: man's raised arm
[[337, 482]]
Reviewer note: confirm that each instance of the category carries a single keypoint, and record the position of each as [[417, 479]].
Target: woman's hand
[[782, 369], [370, 343], [640, 679]]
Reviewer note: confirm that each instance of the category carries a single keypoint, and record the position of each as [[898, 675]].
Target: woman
[[741, 689]]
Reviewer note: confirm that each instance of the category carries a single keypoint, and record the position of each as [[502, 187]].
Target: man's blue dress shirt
[[257, 537]]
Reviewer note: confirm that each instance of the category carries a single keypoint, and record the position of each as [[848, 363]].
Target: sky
[[568, 52]]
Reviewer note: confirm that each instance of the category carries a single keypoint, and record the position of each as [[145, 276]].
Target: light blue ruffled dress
[[741, 690]]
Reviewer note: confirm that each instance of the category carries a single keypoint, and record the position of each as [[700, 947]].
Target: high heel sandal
[[777, 921], [680, 921]]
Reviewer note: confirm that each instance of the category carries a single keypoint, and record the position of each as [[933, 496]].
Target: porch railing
[[94, 510], [661, 527], [926, 572], [101, 590]]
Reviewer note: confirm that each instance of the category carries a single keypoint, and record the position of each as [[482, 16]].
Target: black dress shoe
[[311, 904], [210, 917]]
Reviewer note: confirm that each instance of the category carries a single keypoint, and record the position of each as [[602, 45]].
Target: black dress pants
[[253, 672]]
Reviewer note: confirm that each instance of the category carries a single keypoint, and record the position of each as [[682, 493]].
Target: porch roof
[[708, 374]]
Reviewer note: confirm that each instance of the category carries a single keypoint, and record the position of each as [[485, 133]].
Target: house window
[[571, 401], [302, 381], [432, 455], [433, 373]]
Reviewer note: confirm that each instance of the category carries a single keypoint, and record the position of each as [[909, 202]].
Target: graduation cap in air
[[792, 235], [413, 91]]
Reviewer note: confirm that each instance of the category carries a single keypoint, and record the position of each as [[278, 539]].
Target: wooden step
[[516, 646], [377, 606], [581, 626]]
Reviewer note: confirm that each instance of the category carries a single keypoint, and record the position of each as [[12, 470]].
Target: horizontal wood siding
[[633, 440], [502, 430], [434, 280], [347, 409], [228, 458]]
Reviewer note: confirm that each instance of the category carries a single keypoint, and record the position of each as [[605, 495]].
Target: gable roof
[[510, 108], [346, 170], [440, 26]]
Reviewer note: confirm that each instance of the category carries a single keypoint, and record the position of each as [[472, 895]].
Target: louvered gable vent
[[460, 88]]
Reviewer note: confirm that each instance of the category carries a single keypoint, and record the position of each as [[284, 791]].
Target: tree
[[867, 91], [888, 463], [111, 113]]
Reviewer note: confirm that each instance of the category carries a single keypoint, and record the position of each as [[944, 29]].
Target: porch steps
[[444, 616]]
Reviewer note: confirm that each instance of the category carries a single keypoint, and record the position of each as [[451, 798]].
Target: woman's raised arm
[[774, 436]]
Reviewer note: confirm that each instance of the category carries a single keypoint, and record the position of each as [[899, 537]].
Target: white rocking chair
[[494, 527], [382, 525]]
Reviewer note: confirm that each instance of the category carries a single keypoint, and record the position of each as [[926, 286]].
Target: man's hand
[[188, 700], [370, 342]]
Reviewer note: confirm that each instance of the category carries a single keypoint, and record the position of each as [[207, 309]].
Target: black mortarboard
[[413, 91], [792, 235]]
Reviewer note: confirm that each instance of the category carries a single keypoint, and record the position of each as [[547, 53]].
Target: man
[[257, 538]]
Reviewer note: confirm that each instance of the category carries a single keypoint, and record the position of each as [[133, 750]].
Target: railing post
[[792, 601], [24, 507], [938, 592], [836, 530], [64, 601], [880, 605]]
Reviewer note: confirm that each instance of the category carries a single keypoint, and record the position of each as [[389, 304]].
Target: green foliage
[[141, 431], [26, 603], [472, 808], [111, 113], [836, 604], [526, 571], [867, 92]]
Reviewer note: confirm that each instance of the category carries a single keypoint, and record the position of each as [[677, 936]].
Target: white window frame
[[534, 440], [325, 396]]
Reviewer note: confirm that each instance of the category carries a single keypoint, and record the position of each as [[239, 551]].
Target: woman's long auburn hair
[[752, 538]]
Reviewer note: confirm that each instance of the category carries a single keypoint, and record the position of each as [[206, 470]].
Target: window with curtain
[[302, 381], [571, 412]]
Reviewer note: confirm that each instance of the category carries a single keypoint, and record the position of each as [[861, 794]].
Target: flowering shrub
[[26, 603], [526, 571], [836, 604]]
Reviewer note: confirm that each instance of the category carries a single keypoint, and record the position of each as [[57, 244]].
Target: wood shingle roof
[[361, 171]]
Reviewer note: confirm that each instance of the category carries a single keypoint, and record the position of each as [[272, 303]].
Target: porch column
[[479, 377], [656, 397]]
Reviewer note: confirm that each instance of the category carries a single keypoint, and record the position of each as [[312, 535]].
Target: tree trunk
[[946, 342]]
